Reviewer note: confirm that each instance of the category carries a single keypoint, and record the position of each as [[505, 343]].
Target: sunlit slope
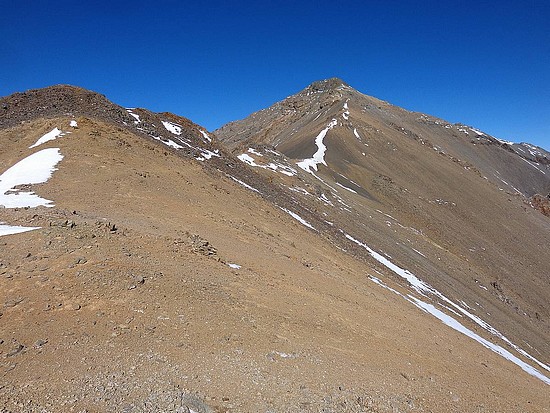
[[160, 278]]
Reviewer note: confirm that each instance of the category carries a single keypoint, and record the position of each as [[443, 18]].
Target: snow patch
[[248, 159], [505, 142], [135, 115], [14, 229], [34, 169], [298, 218], [252, 150], [172, 127], [73, 124], [418, 252], [208, 138], [525, 160], [206, 154], [244, 184], [324, 198], [345, 187], [167, 142], [299, 189], [50, 136], [345, 115], [451, 322]]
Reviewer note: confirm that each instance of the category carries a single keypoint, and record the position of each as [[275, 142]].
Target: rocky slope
[[168, 275], [518, 168], [449, 203]]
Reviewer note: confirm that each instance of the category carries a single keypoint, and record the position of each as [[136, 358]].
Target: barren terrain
[[158, 282]]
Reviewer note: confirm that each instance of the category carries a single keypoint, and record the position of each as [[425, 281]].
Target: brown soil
[[124, 301]]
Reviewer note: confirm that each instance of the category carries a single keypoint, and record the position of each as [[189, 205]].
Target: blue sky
[[485, 64]]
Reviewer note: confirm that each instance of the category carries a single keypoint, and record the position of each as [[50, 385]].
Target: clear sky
[[482, 63]]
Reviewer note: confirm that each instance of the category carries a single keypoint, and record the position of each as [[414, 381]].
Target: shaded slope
[[522, 166]]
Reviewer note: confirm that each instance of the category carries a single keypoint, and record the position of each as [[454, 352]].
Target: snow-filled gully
[[425, 290], [319, 156]]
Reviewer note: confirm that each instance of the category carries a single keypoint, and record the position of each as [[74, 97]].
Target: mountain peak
[[327, 84]]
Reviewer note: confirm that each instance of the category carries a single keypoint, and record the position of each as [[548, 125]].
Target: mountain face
[[330, 253], [448, 202], [517, 168]]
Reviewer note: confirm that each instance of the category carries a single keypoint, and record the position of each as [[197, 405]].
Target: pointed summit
[[327, 84]]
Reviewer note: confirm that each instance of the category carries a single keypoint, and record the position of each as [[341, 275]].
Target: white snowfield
[[34, 169], [319, 156], [424, 289], [50, 136], [172, 127], [14, 229], [247, 159]]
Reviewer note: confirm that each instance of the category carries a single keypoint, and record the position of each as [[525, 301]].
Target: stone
[[18, 349], [13, 302], [39, 343]]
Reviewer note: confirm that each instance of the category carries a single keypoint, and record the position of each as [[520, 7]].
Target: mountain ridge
[[402, 163], [208, 271]]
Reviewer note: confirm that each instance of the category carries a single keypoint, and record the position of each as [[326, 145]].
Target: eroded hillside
[[167, 275]]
